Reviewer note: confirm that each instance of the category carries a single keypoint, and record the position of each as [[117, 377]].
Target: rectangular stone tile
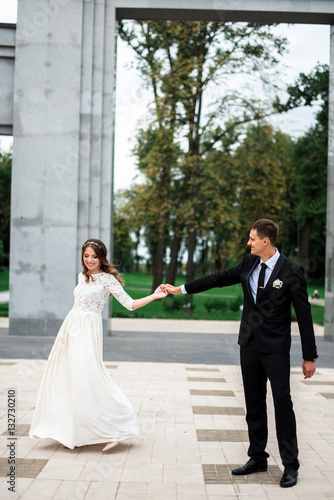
[[125, 496], [221, 491], [62, 472], [318, 382], [105, 487], [182, 473], [221, 435], [164, 489], [74, 490], [222, 474], [39, 485], [144, 472], [203, 369], [24, 467], [327, 395], [132, 488], [218, 410], [20, 430], [204, 392], [188, 488], [205, 379], [100, 495]]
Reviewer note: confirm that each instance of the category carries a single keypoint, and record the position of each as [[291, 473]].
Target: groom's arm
[[302, 308], [224, 278]]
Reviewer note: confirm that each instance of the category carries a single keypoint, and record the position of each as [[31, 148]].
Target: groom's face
[[257, 245]]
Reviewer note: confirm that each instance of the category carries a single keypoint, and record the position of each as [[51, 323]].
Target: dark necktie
[[260, 283]]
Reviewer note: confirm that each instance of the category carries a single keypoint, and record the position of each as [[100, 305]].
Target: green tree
[[124, 246], [264, 161], [310, 157], [180, 61]]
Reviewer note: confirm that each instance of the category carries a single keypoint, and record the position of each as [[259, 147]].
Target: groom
[[270, 282]]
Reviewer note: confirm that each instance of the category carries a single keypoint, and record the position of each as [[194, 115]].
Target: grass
[[216, 304], [139, 285]]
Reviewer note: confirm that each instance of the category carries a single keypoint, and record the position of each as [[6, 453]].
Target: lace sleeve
[[117, 291]]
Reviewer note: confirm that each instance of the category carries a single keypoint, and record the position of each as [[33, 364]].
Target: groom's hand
[[308, 368], [173, 290]]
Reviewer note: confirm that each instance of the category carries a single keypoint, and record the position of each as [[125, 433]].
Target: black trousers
[[257, 368]]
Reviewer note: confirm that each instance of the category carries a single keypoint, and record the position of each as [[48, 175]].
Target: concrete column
[[329, 282], [62, 153], [7, 59]]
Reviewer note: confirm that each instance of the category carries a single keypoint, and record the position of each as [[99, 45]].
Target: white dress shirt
[[254, 277]]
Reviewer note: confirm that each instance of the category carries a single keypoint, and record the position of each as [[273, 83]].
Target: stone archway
[[57, 99]]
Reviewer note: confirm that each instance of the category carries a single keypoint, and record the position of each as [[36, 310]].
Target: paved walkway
[[193, 434]]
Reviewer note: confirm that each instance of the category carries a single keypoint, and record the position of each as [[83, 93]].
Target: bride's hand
[[160, 292]]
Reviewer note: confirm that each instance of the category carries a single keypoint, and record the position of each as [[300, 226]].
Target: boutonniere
[[278, 283]]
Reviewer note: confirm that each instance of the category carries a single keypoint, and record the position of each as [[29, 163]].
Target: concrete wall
[[329, 284], [7, 58], [62, 172]]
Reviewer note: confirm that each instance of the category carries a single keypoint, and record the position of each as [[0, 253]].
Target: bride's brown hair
[[101, 252]]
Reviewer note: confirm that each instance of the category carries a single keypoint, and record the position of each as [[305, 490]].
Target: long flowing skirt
[[78, 402]]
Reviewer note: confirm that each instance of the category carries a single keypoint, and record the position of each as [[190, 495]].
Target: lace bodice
[[91, 296]]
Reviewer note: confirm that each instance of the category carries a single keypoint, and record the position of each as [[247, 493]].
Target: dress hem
[[79, 445]]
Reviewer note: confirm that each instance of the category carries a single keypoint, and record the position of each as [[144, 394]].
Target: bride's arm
[[117, 291], [158, 294]]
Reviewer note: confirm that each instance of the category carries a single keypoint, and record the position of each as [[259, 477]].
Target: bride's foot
[[110, 445]]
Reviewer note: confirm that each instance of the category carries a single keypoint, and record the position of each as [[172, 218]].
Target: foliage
[[218, 304], [310, 159], [183, 153], [172, 304], [264, 161]]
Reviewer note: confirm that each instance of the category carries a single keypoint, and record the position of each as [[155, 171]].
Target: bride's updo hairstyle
[[101, 252]]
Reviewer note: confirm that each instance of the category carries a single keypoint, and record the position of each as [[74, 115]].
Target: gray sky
[[308, 45]]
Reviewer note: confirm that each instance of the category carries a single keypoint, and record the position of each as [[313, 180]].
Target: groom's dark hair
[[266, 228]]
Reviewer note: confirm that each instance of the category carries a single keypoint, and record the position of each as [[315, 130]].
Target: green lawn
[[215, 304], [225, 300]]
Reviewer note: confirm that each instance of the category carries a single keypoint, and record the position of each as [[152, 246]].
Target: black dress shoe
[[289, 478], [251, 466]]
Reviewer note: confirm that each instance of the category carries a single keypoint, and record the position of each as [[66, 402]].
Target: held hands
[[163, 290], [173, 290], [308, 368], [160, 292]]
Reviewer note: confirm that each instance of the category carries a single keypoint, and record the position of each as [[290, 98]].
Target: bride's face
[[91, 260]]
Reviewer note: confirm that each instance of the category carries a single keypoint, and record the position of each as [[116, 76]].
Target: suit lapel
[[256, 262]]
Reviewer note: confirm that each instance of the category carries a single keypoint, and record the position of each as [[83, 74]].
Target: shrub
[[235, 304], [171, 303], [219, 304]]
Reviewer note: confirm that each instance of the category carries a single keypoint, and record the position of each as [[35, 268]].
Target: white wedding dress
[[78, 402]]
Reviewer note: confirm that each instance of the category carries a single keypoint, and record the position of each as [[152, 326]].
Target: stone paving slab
[[180, 455]]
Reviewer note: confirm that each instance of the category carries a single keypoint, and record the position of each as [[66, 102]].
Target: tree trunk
[[158, 265], [191, 250], [136, 247], [172, 268], [305, 245]]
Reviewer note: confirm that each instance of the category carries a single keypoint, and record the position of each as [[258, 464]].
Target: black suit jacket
[[270, 318]]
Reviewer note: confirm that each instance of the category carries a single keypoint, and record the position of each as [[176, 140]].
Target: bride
[[78, 402]]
